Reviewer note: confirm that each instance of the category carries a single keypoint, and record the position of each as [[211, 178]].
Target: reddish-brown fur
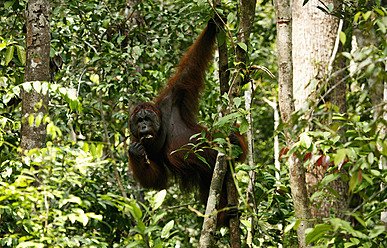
[[177, 108]]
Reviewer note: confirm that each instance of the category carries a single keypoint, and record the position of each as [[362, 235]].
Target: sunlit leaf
[[158, 199], [305, 140], [31, 119], [340, 156], [343, 37], [243, 46], [9, 54], [330, 178], [244, 127], [94, 78], [354, 181], [37, 86], [167, 228], [318, 231]]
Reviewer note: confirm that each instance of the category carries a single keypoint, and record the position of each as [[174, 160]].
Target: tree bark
[[207, 237], [247, 14], [315, 35], [37, 71], [285, 80]]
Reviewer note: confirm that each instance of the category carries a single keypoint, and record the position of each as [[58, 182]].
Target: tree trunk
[[285, 80], [314, 37], [207, 237], [34, 104], [247, 14]]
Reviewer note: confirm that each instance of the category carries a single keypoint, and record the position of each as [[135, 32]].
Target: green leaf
[[158, 199], [73, 105], [316, 195], [3, 45], [318, 231], [62, 91], [356, 17], [360, 219], [347, 55], [120, 39], [99, 151], [21, 54], [8, 4], [141, 226], [340, 156], [382, 26], [330, 178], [94, 78], [94, 216], [243, 46], [367, 15], [135, 211], [85, 147], [151, 229], [166, 229], [244, 127], [371, 158], [157, 216], [37, 86], [31, 119], [93, 149], [293, 225], [354, 181], [137, 50], [9, 54], [225, 119], [44, 87], [343, 37], [305, 140], [30, 244], [202, 159], [376, 231], [246, 223], [237, 102], [221, 38], [38, 119]]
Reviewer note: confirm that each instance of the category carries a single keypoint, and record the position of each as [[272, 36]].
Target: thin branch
[[116, 173], [224, 25]]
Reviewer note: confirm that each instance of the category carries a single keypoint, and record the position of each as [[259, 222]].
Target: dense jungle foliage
[[114, 56]]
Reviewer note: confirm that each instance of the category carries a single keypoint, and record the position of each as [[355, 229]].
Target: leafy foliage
[[66, 194]]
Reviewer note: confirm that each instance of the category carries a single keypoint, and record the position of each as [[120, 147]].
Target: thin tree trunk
[[250, 160], [247, 14], [37, 71], [285, 80], [207, 237]]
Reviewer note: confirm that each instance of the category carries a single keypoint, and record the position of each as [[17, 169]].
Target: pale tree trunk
[[37, 71], [285, 81], [314, 38], [251, 162], [207, 236]]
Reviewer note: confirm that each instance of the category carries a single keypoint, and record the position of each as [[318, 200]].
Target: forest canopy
[[71, 73]]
